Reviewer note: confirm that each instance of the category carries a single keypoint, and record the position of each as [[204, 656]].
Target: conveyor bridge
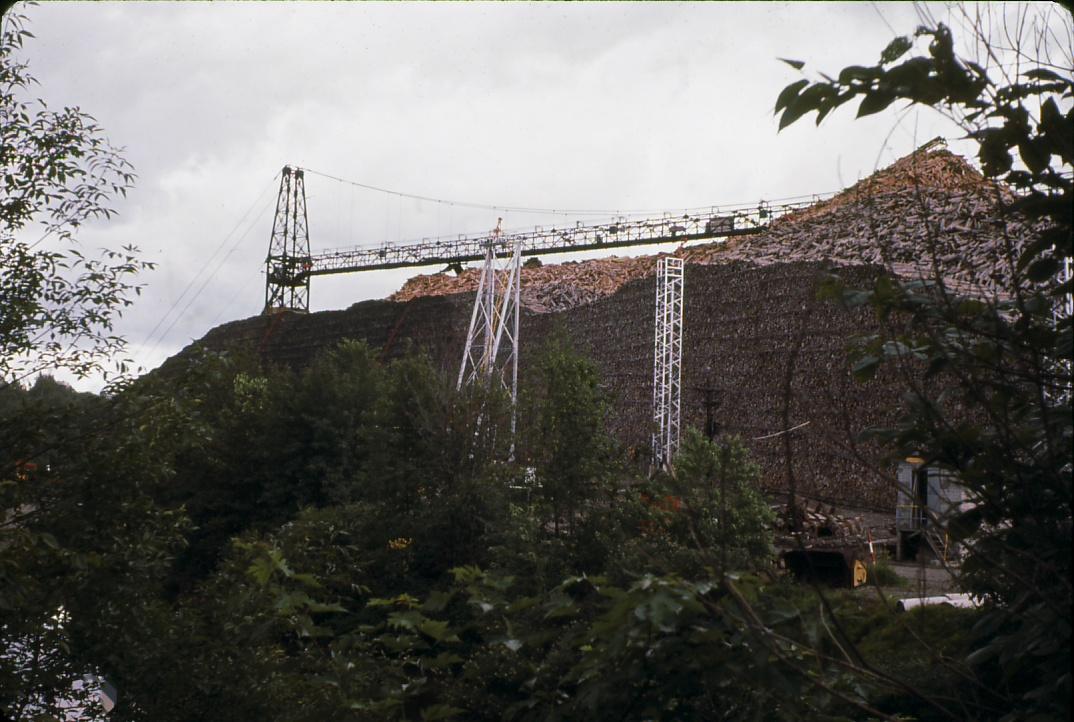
[[290, 265]]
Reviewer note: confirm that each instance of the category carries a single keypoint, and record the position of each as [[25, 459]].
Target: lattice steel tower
[[288, 265], [494, 321], [667, 361]]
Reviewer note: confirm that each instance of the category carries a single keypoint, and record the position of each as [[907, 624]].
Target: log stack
[[545, 289], [757, 339], [819, 525], [929, 215]]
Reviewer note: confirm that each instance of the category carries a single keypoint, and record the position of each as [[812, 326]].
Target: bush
[[884, 575]]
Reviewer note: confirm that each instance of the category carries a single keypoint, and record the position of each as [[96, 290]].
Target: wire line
[[522, 209], [204, 267]]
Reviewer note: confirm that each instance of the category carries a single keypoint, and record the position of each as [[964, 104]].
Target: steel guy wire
[[202, 270]]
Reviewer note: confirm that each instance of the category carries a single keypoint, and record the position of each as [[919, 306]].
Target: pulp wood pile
[[544, 288], [819, 526], [436, 324], [759, 343], [756, 340], [748, 330], [928, 213]]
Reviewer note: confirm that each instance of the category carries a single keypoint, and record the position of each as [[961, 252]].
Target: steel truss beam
[[715, 222], [667, 361]]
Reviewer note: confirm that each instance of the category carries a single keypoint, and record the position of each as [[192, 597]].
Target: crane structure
[[287, 284], [290, 265], [667, 361]]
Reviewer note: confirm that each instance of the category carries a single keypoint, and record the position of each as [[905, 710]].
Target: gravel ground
[[923, 580]]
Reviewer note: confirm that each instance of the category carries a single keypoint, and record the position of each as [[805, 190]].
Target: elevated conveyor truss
[[290, 271]]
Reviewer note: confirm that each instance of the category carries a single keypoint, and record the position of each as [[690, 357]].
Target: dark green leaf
[[853, 73], [865, 368], [789, 93], [440, 712], [1042, 269], [895, 49], [1045, 74], [995, 155], [1034, 154], [796, 64], [874, 102], [1057, 131]]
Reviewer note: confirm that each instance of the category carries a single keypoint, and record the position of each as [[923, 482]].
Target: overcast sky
[[550, 105]]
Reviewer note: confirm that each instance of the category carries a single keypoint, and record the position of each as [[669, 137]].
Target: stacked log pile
[[757, 340], [435, 324], [927, 167], [929, 214], [772, 357], [545, 289], [819, 526]]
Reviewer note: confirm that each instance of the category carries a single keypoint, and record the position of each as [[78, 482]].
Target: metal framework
[[494, 321], [667, 360], [713, 222], [288, 265]]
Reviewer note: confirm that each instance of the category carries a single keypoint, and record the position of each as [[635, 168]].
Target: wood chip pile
[[770, 354], [930, 209]]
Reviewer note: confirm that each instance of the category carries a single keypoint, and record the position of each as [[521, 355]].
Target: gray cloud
[[611, 106]]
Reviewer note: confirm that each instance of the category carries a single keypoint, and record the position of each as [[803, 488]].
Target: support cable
[[527, 209], [205, 266]]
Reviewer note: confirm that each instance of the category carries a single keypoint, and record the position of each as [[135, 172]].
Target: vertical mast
[[667, 361], [287, 266]]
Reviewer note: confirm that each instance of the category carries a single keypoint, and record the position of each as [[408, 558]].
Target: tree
[[1003, 421], [58, 301], [716, 485], [59, 521], [566, 439]]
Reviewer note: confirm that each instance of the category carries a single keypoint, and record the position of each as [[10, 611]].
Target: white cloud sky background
[[553, 105]]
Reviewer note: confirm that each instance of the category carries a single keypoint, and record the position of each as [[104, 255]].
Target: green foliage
[[1002, 421], [75, 511], [718, 485], [340, 573], [565, 438], [1017, 117], [348, 541], [78, 518], [883, 574], [705, 519], [57, 302]]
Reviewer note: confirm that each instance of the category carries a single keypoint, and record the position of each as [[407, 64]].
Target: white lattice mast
[[492, 340], [667, 360]]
